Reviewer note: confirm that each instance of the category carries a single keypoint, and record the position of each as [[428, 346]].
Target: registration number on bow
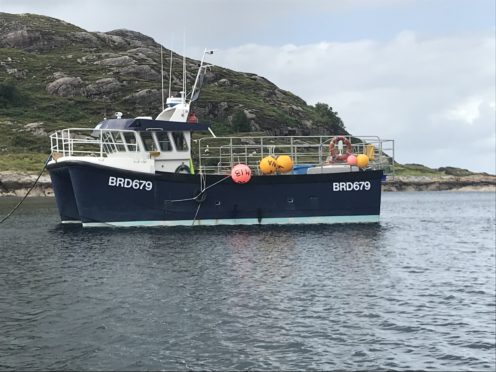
[[351, 186], [128, 183]]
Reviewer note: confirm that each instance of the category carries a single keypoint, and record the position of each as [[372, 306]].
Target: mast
[[162, 72], [205, 52], [170, 74], [184, 66]]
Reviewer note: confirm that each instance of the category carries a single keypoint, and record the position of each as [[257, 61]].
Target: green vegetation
[[29, 113], [22, 162], [28, 69], [9, 95], [41, 22], [240, 122], [422, 170], [413, 170], [221, 128], [327, 118], [451, 171]]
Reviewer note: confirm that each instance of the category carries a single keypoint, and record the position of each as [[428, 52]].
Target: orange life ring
[[332, 149]]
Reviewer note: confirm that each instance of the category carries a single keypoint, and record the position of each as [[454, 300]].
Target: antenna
[[184, 64], [162, 71], [199, 76], [170, 74]]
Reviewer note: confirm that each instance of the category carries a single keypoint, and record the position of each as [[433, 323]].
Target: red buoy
[[241, 173]]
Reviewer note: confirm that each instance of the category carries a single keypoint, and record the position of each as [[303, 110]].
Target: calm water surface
[[416, 291]]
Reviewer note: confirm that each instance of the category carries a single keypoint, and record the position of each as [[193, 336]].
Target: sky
[[421, 72]]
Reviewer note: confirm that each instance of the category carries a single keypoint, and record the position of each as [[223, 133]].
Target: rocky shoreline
[[485, 183], [18, 184]]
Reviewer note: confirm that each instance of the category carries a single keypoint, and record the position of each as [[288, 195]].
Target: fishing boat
[[173, 170]]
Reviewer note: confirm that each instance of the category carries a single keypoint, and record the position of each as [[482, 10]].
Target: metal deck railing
[[92, 142], [220, 154]]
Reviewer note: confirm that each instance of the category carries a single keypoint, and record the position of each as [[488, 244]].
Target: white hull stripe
[[243, 221], [68, 222]]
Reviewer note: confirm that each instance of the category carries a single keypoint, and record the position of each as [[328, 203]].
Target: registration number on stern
[[128, 183], [351, 186]]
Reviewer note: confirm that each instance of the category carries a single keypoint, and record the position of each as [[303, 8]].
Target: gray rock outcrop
[[117, 61], [66, 87], [103, 87], [143, 97], [18, 184]]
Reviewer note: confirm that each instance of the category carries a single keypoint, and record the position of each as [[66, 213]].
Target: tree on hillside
[[328, 118], [9, 95], [240, 122]]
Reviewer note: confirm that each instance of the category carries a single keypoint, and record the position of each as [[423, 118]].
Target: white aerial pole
[[184, 66], [162, 72], [170, 74]]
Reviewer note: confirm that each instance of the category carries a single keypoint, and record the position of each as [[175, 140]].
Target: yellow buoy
[[268, 165], [284, 164], [362, 161]]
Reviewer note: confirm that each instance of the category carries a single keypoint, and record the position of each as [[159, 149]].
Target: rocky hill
[[54, 74]]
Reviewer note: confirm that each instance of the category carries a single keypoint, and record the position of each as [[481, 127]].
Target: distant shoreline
[[18, 183], [484, 183]]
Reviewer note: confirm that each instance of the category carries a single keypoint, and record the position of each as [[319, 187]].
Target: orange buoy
[[362, 161], [268, 165], [284, 164]]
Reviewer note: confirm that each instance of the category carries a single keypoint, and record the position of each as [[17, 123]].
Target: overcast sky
[[421, 72]]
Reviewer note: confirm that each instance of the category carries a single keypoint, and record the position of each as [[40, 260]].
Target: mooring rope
[[203, 188], [25, 196], [204, 184]]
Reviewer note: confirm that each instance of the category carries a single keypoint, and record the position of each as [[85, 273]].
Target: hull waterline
[[111, 197]]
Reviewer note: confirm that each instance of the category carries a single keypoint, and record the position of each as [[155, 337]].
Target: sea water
[[416, 291]]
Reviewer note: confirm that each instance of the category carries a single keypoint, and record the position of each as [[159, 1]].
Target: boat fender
[[183, 168], [332, 148]]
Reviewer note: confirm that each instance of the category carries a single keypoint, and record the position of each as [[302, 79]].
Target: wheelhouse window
[[180, 141], [164, 141], [148, 142], [130, 140], [118, 142]]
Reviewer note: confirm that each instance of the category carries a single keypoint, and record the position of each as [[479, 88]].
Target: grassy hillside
[[56, 75]]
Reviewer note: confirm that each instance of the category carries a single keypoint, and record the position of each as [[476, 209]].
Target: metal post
[[231, 150]]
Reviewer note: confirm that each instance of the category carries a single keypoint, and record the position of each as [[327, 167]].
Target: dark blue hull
[[64, 194], [108, 196]]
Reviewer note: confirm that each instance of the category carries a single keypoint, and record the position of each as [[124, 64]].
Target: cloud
[[434, 96]]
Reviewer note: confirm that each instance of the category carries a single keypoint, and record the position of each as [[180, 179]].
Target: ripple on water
[[413, 292]]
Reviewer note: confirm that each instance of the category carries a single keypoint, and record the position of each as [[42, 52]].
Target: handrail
[[222, 153], [91, 142]]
